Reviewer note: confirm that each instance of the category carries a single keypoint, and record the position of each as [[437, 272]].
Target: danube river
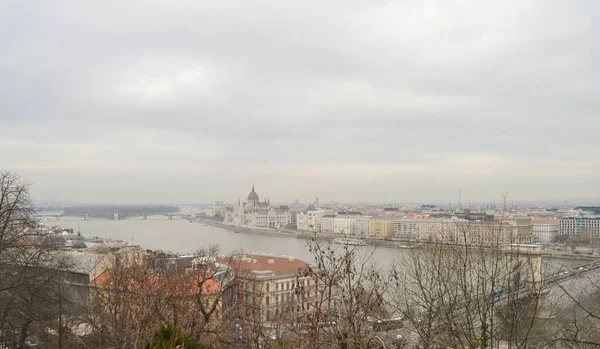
[[182, 237]]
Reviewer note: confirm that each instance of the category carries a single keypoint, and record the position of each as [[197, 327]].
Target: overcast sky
[[162, 101]]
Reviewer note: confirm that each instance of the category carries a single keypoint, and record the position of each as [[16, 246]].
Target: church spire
[[253, 188]]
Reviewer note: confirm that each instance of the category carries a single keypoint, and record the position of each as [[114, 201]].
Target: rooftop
[[138, 279], [84, 262], [544, 221], [592, 217], [264, 264]]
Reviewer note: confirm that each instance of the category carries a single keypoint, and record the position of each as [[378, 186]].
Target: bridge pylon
[[536, 301], [531, 257]]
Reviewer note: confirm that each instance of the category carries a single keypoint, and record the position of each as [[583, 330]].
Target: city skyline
[[161, 102], [457, 201]]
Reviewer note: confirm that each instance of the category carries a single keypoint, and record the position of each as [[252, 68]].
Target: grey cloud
[[207, 92]]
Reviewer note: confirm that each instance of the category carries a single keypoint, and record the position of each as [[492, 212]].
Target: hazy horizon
[[465, 203], [125, 102]]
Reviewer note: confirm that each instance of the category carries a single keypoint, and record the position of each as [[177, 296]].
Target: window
[[267, 287], [267, 300], [287, 285], [268, 315]]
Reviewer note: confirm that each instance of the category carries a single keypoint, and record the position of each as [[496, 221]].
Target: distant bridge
[[114, 215]]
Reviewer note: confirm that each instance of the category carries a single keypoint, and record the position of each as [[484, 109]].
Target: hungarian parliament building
[[256, 214]]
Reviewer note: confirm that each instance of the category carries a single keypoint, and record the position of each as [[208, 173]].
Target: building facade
[[363, 225], [580, 226], [544, 230], [438, 230], [214, 211], [517, 230], [327, 223], [344, 224], [257, 214], [302, 221], [268, 289], [522, 228], [406, 228], [383, 226], [310, 221]]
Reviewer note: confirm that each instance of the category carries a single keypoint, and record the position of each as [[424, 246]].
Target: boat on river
[[408, 246], [352, 242]]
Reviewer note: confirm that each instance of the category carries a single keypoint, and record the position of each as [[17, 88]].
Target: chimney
[[290, 258], [254, 261], [271, 261]]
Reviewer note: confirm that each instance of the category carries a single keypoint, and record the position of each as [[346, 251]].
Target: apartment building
[[310, 221], [327, 223], [580, 225], [406, 228], [363, 225], [544, 230], [344, 224], [267, 288], [383, 225], [521, 228], [439, 230], [517, 230]]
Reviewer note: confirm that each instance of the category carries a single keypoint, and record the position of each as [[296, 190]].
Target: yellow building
[[383, 226]]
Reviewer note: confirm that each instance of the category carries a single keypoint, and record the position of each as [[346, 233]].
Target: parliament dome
[[253, 197]]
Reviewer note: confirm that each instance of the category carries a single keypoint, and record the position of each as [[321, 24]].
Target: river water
[[181, 236]]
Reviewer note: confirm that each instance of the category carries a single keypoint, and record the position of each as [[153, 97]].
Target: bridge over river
[[542, 293], [115, 215]]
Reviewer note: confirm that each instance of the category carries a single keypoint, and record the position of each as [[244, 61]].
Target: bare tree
[[578, 315], [132, 300], [470, 292], [32, 292], [341, 300]]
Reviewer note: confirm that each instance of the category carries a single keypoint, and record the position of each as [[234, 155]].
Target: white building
[[302, 221], [310, 221], [580, 225], [363, 225], [214, 211], [256, 214], [344, 224], [406, 228], [327, 224], [544, 230], [441, 230]]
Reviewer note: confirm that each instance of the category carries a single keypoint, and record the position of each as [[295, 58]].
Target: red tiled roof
[[279, 265], [138, 280]]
